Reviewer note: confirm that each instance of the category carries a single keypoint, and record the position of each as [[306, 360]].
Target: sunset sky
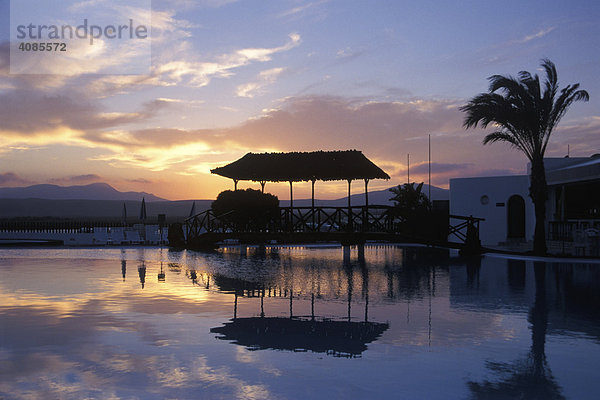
[[229, 77]]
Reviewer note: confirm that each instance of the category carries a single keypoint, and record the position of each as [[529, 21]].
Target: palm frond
[[500, 136], [525, 110]]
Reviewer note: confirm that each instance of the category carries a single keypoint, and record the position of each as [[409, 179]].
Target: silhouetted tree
[[524, 115], [247, 209], [176, 237], [413, 206], [409, 199]]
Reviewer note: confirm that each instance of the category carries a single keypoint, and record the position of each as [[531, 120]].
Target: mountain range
[[94, 191], [100, 200]]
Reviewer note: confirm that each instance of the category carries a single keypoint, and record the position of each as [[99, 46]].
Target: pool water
[[330, 322]]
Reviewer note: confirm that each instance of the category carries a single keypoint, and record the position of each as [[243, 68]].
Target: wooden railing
[[374, 219], [466, 229], [300, 219]]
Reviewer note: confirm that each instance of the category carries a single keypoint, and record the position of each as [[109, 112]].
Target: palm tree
[[410, 199], [524, 114]]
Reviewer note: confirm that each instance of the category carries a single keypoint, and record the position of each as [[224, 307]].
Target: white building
[[572, 209]]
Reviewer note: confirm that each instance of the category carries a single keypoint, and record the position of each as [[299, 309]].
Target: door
[[516, 217]]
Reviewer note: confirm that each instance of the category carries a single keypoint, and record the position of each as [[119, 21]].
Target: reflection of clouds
[[174, 377], [243, 355], [43, 375], [222, 376], [20, 366], [91, 334], [50, 357], [171, 374], [120, 363], [106, 341]]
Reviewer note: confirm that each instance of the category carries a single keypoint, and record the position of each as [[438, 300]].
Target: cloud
[[264, 78], [166, 29], [87, 178], [215, 3], [348, 54], [188, 4], [140, 180], [10, 178], [512, 49], [311, 8], [423, 168], [200, 73], [82, 5], [537, 35], [99, 54], [30, 116], [331, 123], [384, 131]]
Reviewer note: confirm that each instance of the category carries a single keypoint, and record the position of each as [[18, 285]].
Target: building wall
[[139, 234], [467, 198]]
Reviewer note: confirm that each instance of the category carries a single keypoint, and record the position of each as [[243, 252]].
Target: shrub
[[246, 210], [175, 236]]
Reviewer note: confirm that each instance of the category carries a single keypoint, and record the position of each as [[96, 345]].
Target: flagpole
[[408, 168], [429, 167]]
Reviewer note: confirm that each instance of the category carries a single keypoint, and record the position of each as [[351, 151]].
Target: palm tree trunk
[[538, 191]]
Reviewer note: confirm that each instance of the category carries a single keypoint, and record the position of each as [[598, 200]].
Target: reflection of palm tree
[[123, 268], [142, 273], [538, 318], [530, 378], [525, 115]]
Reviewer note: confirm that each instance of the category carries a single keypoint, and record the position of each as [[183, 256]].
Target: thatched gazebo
[[313, 166]]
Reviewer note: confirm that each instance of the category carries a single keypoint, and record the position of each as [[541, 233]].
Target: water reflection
[[530, 377], [337, 338], [345, 338], [412, 320], [142, 273]]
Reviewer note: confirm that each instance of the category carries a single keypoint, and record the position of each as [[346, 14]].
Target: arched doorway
[[516, 217]]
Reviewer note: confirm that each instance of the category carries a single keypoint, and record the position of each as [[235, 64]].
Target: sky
[[228, 77]]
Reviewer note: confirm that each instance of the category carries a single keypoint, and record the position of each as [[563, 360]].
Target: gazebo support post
[[366, 211], [291, 207], [235, 181], [262, 186], [313, 203], [313, 195], [349, 205]]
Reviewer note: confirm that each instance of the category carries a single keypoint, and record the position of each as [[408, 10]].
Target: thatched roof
[[302, 166]]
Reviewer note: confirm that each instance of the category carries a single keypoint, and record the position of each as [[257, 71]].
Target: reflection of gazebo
[[303, 167], [339, 338]]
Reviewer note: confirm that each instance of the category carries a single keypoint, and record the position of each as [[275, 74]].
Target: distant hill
[[379, 197], [383, 196], [30, 206], [94, 191]]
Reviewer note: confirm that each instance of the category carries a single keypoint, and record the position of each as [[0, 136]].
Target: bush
[[175, 236], [246, 210]]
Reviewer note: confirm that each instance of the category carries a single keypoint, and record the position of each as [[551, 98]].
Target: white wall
[[148, 234], [465, 199]]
